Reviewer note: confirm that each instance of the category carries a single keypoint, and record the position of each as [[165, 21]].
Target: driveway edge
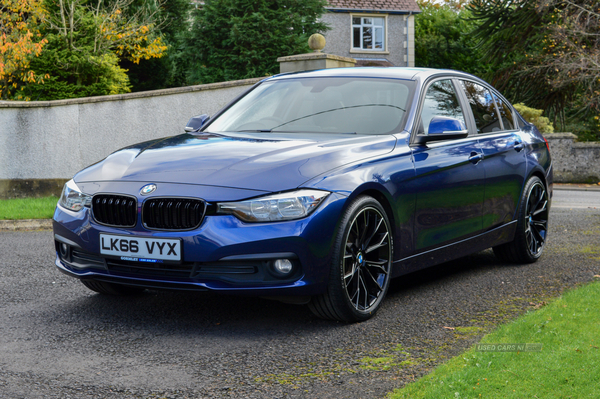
[[577, 187], [25, 224]]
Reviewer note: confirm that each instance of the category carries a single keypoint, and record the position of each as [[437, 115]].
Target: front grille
[[173, 213], [161, 270], [114, 210]]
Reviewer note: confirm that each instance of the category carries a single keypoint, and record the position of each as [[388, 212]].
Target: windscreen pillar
[[314, 60]]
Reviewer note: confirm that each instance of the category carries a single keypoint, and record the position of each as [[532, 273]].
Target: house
[[374, 32]]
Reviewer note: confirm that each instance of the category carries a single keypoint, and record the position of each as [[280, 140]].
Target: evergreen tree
[[444, 40], [238, 39]]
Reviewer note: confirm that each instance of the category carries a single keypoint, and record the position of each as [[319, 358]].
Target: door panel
[[450, 178], [505, 168], [503, 152], [450, 193]]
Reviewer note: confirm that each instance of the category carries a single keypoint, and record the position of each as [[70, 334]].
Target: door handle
[[475, 157], [518, 145]]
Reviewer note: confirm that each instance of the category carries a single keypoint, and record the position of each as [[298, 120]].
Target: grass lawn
[[568, 366], [28, 208]]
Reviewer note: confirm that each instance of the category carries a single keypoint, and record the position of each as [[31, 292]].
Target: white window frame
[[353, 49]]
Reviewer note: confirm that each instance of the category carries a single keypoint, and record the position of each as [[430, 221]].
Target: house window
[[368, 33]]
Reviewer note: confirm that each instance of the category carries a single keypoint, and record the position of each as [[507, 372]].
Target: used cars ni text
[[316, 188]]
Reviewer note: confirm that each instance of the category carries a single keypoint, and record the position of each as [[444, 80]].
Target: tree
[[20, 42], [169, 70], [87, 39], [237, 39], [546, 55], [444, 37], [573, 50], [511, 34]]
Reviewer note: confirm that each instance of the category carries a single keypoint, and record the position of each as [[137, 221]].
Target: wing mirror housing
[[196, 122], [443, 128]]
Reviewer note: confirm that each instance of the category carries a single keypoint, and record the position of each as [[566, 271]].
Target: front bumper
[[223, 254]]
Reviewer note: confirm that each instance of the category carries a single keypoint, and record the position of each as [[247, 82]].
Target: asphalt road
[[60, 340]]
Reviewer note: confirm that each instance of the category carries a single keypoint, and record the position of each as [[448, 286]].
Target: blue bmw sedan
[[314, 188]]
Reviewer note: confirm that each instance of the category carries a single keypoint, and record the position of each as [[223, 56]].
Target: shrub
[[534, 116]]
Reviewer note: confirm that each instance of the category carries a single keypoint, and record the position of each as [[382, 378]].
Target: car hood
[[258, 162]]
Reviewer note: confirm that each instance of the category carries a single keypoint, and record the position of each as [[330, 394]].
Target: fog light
[[64, 250], [283, 266]]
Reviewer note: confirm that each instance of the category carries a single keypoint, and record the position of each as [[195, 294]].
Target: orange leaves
[[20, 41], [129, 38]]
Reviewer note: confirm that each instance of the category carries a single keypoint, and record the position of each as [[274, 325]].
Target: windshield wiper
[[207, 133], [255, 131], [337, 109]]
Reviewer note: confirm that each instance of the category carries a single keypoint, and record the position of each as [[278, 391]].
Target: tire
[[360, 270], [532, 226], [111, 288]]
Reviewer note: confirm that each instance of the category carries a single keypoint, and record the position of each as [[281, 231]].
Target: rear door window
[[483, 107], [505, 113]]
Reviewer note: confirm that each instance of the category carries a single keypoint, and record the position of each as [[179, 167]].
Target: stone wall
[[42, 143], [574, 162]]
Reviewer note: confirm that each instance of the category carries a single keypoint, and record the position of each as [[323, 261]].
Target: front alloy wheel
[[361, 269]]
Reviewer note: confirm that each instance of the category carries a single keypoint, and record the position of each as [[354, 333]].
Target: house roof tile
[[375, 5]]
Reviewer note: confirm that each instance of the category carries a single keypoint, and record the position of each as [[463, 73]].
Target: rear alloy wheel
[[532, 226], [360, 273], [103, 287]]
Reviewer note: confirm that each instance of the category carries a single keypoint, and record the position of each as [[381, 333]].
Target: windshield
[[319, 105]]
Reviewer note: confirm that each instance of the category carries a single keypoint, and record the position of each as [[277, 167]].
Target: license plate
[[141, 249]]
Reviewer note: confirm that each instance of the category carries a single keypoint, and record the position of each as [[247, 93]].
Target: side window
[[482, 105], [505, 114], [440, 100]]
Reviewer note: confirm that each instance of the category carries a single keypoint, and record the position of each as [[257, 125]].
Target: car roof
[[418, 74]]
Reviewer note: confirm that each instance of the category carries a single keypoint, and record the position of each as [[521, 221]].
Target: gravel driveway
[[59, 340]]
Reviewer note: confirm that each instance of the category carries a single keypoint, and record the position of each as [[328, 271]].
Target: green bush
[[534, 116]]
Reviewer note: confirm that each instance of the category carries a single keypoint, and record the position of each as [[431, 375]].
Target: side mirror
[[442, 124], [196, 122], [443, 128]]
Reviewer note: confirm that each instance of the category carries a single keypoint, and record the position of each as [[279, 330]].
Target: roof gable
[[373, 5]]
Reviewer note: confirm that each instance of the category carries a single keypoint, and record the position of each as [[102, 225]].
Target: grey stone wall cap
[[129, 96], [556, 136], [315, 56]]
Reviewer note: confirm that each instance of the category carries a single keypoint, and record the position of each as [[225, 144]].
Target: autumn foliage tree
[[86, 41], [20, 42]]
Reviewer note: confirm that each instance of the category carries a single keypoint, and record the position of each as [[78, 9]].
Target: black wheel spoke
[[379, 266], [368, 240], [373, 279], [542, 209], [537, 235], [381, 243]]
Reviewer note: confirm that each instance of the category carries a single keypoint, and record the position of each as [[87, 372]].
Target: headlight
[[72, 198], [285, 206]]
